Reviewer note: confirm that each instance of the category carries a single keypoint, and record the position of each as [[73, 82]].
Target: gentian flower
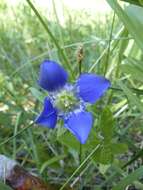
[[68, 101]]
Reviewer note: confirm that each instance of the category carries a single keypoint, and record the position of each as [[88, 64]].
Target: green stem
[[18, 133], [138, 155], [15, 132], [80, 145], [81, 165], [109, 45], [80, 153], [136, 90], [80, 161], [61, 52], [80, 68], [113, 44]]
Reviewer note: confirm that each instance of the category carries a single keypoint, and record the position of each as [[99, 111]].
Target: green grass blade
[[15, 132], [113, 45], [133, 99], [4, 186], [81, 165], [55, 41], [18, 133], [51, 161], [134, 68], [135, 2], [131, 16], [129, 179], [109, 44]]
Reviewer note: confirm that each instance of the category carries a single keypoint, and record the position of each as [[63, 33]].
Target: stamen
[[66, 100]]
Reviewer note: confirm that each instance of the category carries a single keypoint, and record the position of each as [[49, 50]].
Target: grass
[[111, 49]]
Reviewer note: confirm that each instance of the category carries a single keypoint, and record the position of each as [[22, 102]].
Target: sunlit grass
[[109, 48]]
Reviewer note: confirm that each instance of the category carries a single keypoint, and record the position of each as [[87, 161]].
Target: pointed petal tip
[[48, 117], [92, 87], [79, 124]]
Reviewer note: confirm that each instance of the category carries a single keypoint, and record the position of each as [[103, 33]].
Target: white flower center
[[66, 101]]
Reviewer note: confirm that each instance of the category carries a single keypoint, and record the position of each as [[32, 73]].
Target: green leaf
[[134, 68], [135, 2], [129, 179], [103, 168], [133, 99], [51, 161], [107, 124], [4, 186], [60, 129], [141, 2], [104, 155], [138, 185], [5, 119], [131, 16], [118, 148], [70, 141], [107, 151], [37, 94]]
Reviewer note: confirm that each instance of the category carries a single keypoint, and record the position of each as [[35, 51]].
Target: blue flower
[[68, 101]]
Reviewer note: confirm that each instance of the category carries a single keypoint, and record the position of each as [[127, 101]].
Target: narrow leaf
[[37, 94], [131, 16], [107, 124], [133, 99], [135, 2], [129, 179], [4, 186]]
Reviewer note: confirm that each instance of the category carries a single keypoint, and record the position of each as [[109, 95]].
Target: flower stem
[[80, 153], [80, 161], [80, 167], [79, 60], [109, 45], [80, 56]]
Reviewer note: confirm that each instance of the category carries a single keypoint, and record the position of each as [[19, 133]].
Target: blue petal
[[52, 76], [80, 124], [48, 117], [91, 87]]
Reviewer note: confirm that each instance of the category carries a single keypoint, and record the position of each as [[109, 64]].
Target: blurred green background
[[111, 35]]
